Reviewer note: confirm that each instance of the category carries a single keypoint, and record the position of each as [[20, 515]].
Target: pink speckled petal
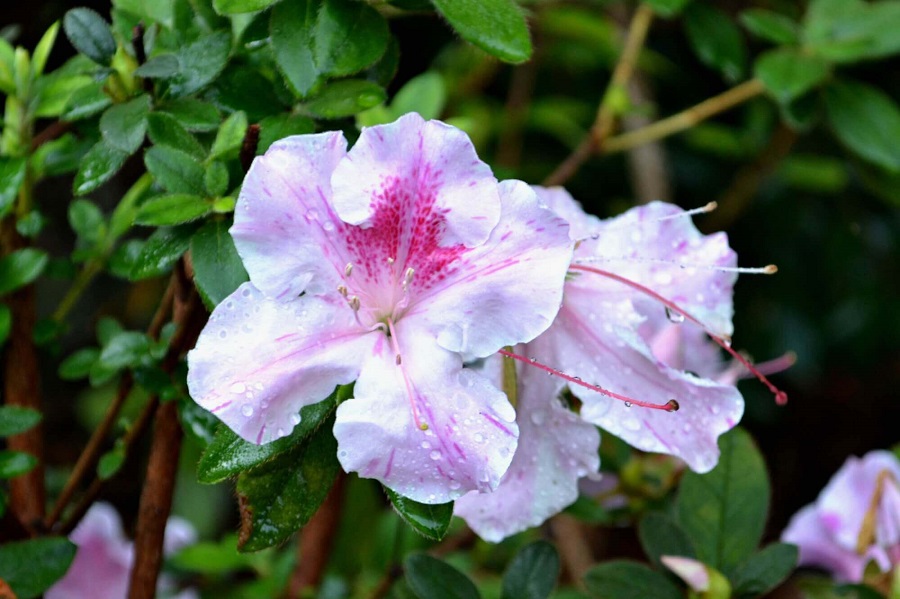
[[504, 292], [283, 218], [845, 499], [598, 342], [691, 571], [102, 564], [179, 534], [581, 224], [556, 449], [418, 169], [471, 434], [818, 548], [259, 360], [687, 347], [667, 257]]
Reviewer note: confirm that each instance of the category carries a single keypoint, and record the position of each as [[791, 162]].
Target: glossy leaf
[[31, 567], [97, 167], [273, 128], [622, 579], [193, 115], [176, 171], [346, 98], [281, 495], [724, 511], [667, 8], [21, 268], [660, 535], [86, 220], [123, 126], [851, 31], [16, 463], [111, 462], [200, 63], [425, 94], [866, 120], [164, 66], [165, 130], [229, 455], [215, 179], [90, 35], [161, 251], [532, 573], [12, 174], [432, 578], [430, 521], [716, 40], [770, 26], [85, 102], [496, 26], [78, 365], [230, 137], [124, 349], [788, 73], [218, 269], [765, 570], [231, 7], [16, 419], [172, 209]]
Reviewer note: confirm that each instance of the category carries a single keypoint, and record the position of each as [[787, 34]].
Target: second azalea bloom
[[854, 521], [389, 265]]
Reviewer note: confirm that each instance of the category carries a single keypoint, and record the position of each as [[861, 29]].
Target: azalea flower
[[102, 565], [388, 265], [619, 343], [854, 521]]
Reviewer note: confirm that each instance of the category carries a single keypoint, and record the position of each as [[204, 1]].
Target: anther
[[348, 269], [390, 260], [342, 289], [672, 406], [398, 360], [354, 303]]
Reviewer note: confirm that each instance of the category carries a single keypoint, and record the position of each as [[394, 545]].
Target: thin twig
[[574, 548], [315, 542], [521, 87], [606, 111], [685, 119], [249, 145]]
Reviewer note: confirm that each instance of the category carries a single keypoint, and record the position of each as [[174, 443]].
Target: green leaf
[[5, 323], [313, 40], [623, 579], [123, 126], [425, 94], [172, 210], [125, 349], [346, 98], [532, 573], [97, 167], [231, 7], [54, 92], [229, 455], [789, 73], [660, 535], [431, 578], [31, 567], [866, 120], [430, 521], [21, 268], [281, 495], [78, 365], [90, 35], [724, 511], [16, 463], [161, 251], [211, 558], [765, 570], [667, 8], [163, 66], [85, 102], [850, 31], [176, 171], [496, 26], [111, 462], [165, 130], [200, 63], [273, 128], [716, 40], [218, 270], [230, 137], [16, 419], [12, 174], [215, 179], [770, 26], [193, 115]]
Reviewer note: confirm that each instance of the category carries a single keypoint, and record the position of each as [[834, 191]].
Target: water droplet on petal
[[435, 455], [328, 226], [538, 417], [479, 438], [238, 388], [627, 404], [247, 410], [295, 419], [426, 445], [674, 316]]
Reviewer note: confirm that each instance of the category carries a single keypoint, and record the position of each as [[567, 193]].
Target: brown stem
[[92, 451], [606, 111], [248, 147], [647, 165], [53, 130], [509, 147], [315, 543], [574, 548], [21, 387]]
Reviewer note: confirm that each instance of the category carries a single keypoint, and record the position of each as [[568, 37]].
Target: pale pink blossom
[[388, 265], [830, 533]]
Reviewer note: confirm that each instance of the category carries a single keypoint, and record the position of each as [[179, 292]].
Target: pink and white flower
[[854, 521], [388, 265], [102, 565]]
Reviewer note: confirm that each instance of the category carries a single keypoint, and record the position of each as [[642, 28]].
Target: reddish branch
[[315, 543], [249, 145]]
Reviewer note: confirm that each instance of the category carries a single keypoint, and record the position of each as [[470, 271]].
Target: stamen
[[670, 406], [724, 341], [769, 269], [390, 260], [422, 426], [342, 289], [348, 269], [354, 303], [774, 366]]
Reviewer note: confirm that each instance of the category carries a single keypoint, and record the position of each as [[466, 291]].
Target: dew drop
[[247, 410], [328, 226], [426, 445], [627, 404], [311, 214], [435, 455], [295, 419], [479, 438], [454, 485], [223, 333], [538, 417], [673, 316], [238, 388]]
